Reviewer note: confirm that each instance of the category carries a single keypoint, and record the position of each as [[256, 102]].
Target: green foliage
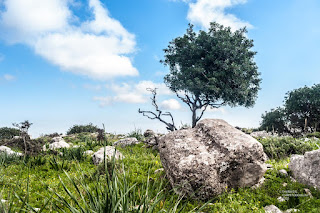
[[82, 128], [137, 133], [73, 154], [278, 148], [302, 105], [212, 68], [8, 133], [275, 120], [314, 134]]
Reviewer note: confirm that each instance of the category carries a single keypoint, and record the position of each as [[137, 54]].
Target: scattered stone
[[148, 133], [305, 168], [272, 209], [75, 146], [57, 143], [3, 201], [284, 184], [261, 134], [159, 170], [110, 151], [292, 179], [9, 151], [308, 192], [281, 199], [214, 156], [283, 173], [290, 210], [88, 152], [126, 142]]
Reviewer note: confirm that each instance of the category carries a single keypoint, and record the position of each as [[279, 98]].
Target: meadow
[[68, 181]]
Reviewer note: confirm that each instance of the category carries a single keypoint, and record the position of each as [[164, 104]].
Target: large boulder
[[305, 168], [211, 158], [151, 139], [108, 152], [57, 143], [8, 151], [126, 142]]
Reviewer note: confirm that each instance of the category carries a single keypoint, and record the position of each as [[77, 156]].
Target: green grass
[[71, 183]]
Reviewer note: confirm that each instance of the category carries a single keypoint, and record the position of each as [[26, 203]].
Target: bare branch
[[152, 115]]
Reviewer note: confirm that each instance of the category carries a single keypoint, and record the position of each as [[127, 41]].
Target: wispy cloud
[[100, 48], [7, 77], [202, 12], [132, 93], [170, 104]]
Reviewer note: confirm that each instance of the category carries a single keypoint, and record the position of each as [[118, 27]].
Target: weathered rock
[[305, 168], [159, 170], [148, 133], [281, 199], [126, 142], [211, 157], [283, 173], [110, 151], [261, 134], [9, 151], [291, 210], [57, 143], [272, 209], [88, 152]]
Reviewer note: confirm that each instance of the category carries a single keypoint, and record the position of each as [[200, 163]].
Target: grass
[[71, 183]]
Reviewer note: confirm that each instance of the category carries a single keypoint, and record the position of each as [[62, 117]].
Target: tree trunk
[[194, 117]]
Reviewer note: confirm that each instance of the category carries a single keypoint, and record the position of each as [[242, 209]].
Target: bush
[[33, 146], [314, 134], [137, 133], [82, 128], [8, 133], [278, 148]]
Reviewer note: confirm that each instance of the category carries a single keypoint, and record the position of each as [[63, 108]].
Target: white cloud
[[92, 87], [136, 93], [215, 110], [170, 104], [8, 77], [99, 48], [202, 12]]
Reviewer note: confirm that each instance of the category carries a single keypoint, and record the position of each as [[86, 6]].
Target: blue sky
[[65, 62]]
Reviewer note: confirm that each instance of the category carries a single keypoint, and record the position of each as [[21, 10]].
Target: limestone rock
[[57, 143], [272, 209], [110, 151], [126, 142], [9, 151], [305, 168], [88, 152], [210, 158], [148, 133], [283, 173]]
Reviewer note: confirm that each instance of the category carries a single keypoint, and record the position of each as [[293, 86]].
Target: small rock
[[283, 173], [97, 157], [9, 151], [308, 192], [290, 210], [269, 166], [292, 179], [148, 133], [272, 209], [281, 199], [126, 142], [88, 152], [3, 201], [284, 184]]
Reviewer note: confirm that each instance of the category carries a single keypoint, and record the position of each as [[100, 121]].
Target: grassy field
[[51, 182]]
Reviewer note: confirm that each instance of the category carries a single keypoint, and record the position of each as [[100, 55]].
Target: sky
[[66, 62]]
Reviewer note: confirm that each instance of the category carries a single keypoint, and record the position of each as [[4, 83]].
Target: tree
[[158, 114], [24, 127], [212, 69], [275, 120], [302, 108]]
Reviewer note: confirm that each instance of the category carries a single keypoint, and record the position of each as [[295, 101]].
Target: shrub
[[277, 148], [82, 128], [314, 134], [137, 133], [33, 146], [8, 133]]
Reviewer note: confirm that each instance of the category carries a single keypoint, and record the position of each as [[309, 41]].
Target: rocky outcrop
[[210, 158], [108, 152], [272, 209], [151, 139], [126, 142], [8, 151], [57, 143], [305, 168]]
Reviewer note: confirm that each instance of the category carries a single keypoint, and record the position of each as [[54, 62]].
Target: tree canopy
[[303, 108], [275, 120], [212, 69]]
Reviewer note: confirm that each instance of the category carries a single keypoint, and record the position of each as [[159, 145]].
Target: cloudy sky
[[65, 62]]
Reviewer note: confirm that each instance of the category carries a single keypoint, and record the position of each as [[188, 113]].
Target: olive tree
[[212, 68], [24, 127]]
